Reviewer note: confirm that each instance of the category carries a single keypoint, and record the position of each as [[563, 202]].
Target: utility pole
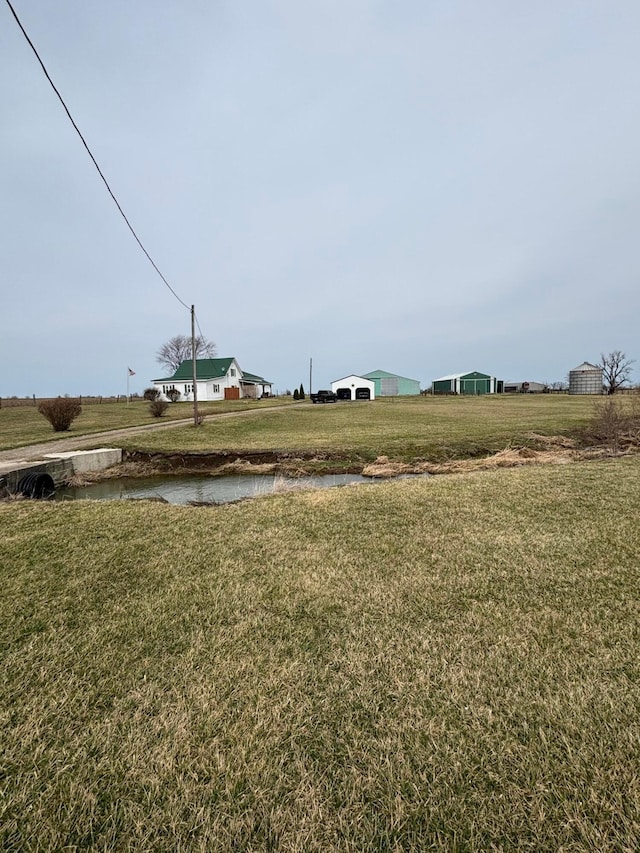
[[196, 420], [310, 376]]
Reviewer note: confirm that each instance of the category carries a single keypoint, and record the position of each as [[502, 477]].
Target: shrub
[[296, 394], [158, 408], [301, 392], [615, 424], [60, 412], [151, 394], [173, 394]]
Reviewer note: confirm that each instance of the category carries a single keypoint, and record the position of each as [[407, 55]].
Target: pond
[[202, 488]]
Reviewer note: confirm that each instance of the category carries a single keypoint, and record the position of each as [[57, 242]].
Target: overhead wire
[[95, 162], [198, 325]]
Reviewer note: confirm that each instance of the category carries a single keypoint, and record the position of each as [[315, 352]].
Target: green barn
[[391, 385], [468, 383]]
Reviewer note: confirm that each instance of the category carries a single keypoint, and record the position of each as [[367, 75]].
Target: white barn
[[354, 388]]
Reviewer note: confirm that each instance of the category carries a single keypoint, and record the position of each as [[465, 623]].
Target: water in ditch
[[203, 489]]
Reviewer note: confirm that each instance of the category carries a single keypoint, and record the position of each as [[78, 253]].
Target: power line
[[199, 329], [95, 163]]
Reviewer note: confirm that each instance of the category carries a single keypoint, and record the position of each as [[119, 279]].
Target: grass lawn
[[443, 664], [403, 428], [23, 425]]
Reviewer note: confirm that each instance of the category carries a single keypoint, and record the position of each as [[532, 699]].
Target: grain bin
[[585, 379]]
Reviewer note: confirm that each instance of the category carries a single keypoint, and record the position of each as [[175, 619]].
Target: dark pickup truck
[[323, 397]]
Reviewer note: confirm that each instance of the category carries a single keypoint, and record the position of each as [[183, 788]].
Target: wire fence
[[17, 402]]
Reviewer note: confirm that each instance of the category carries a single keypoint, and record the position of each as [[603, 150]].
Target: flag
[[131, 372]]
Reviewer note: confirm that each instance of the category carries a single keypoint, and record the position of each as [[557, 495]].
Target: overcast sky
[[420, 186]]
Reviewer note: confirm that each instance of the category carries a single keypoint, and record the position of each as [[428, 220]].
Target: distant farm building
[[585, 379], [354, 388], [525, 388], [468, 383], [217, 379], [391, 385]]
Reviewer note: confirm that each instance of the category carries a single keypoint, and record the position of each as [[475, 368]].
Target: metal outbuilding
[[468, 383], [586, 378], [354, 388], [528, 387], [392, 385]]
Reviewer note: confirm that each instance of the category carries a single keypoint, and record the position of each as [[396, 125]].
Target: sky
[[419, 186]]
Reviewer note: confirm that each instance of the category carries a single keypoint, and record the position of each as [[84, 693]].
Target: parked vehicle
[[323, 396]]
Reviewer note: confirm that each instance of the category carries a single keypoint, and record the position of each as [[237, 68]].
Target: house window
[[232, 372], [216, 389]]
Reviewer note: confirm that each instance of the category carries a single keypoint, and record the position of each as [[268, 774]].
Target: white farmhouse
[[217, 379]]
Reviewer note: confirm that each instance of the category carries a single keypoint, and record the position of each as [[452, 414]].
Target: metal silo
[[585, 379]]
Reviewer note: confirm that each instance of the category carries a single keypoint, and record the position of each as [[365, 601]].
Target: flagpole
[[130, 373]]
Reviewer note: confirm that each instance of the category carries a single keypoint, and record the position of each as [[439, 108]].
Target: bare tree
[[178, 349], [616, 370]]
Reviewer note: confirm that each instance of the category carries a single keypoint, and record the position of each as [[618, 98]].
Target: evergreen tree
[[301, 392]]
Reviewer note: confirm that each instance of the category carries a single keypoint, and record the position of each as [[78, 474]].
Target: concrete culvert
[[37, 485]]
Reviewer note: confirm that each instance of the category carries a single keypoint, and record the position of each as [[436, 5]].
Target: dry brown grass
[[507, 458], [615, 424]]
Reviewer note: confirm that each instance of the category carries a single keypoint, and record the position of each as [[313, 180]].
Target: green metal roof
[[251, 377], [206, 368], [209, 368], [473, 375], [383, 374]]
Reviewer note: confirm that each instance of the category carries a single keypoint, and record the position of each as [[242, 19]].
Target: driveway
[[11, 459]]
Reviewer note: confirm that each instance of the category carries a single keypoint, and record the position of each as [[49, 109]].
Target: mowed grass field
[[24, 425], [401, 428], [440, 664]]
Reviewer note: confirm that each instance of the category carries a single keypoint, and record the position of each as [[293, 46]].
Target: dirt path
[[35, 452]]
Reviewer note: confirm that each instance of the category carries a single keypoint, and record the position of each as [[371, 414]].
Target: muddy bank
[[223, 463], [550, 450], [212, 461], [269, 461], [287, 462]]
